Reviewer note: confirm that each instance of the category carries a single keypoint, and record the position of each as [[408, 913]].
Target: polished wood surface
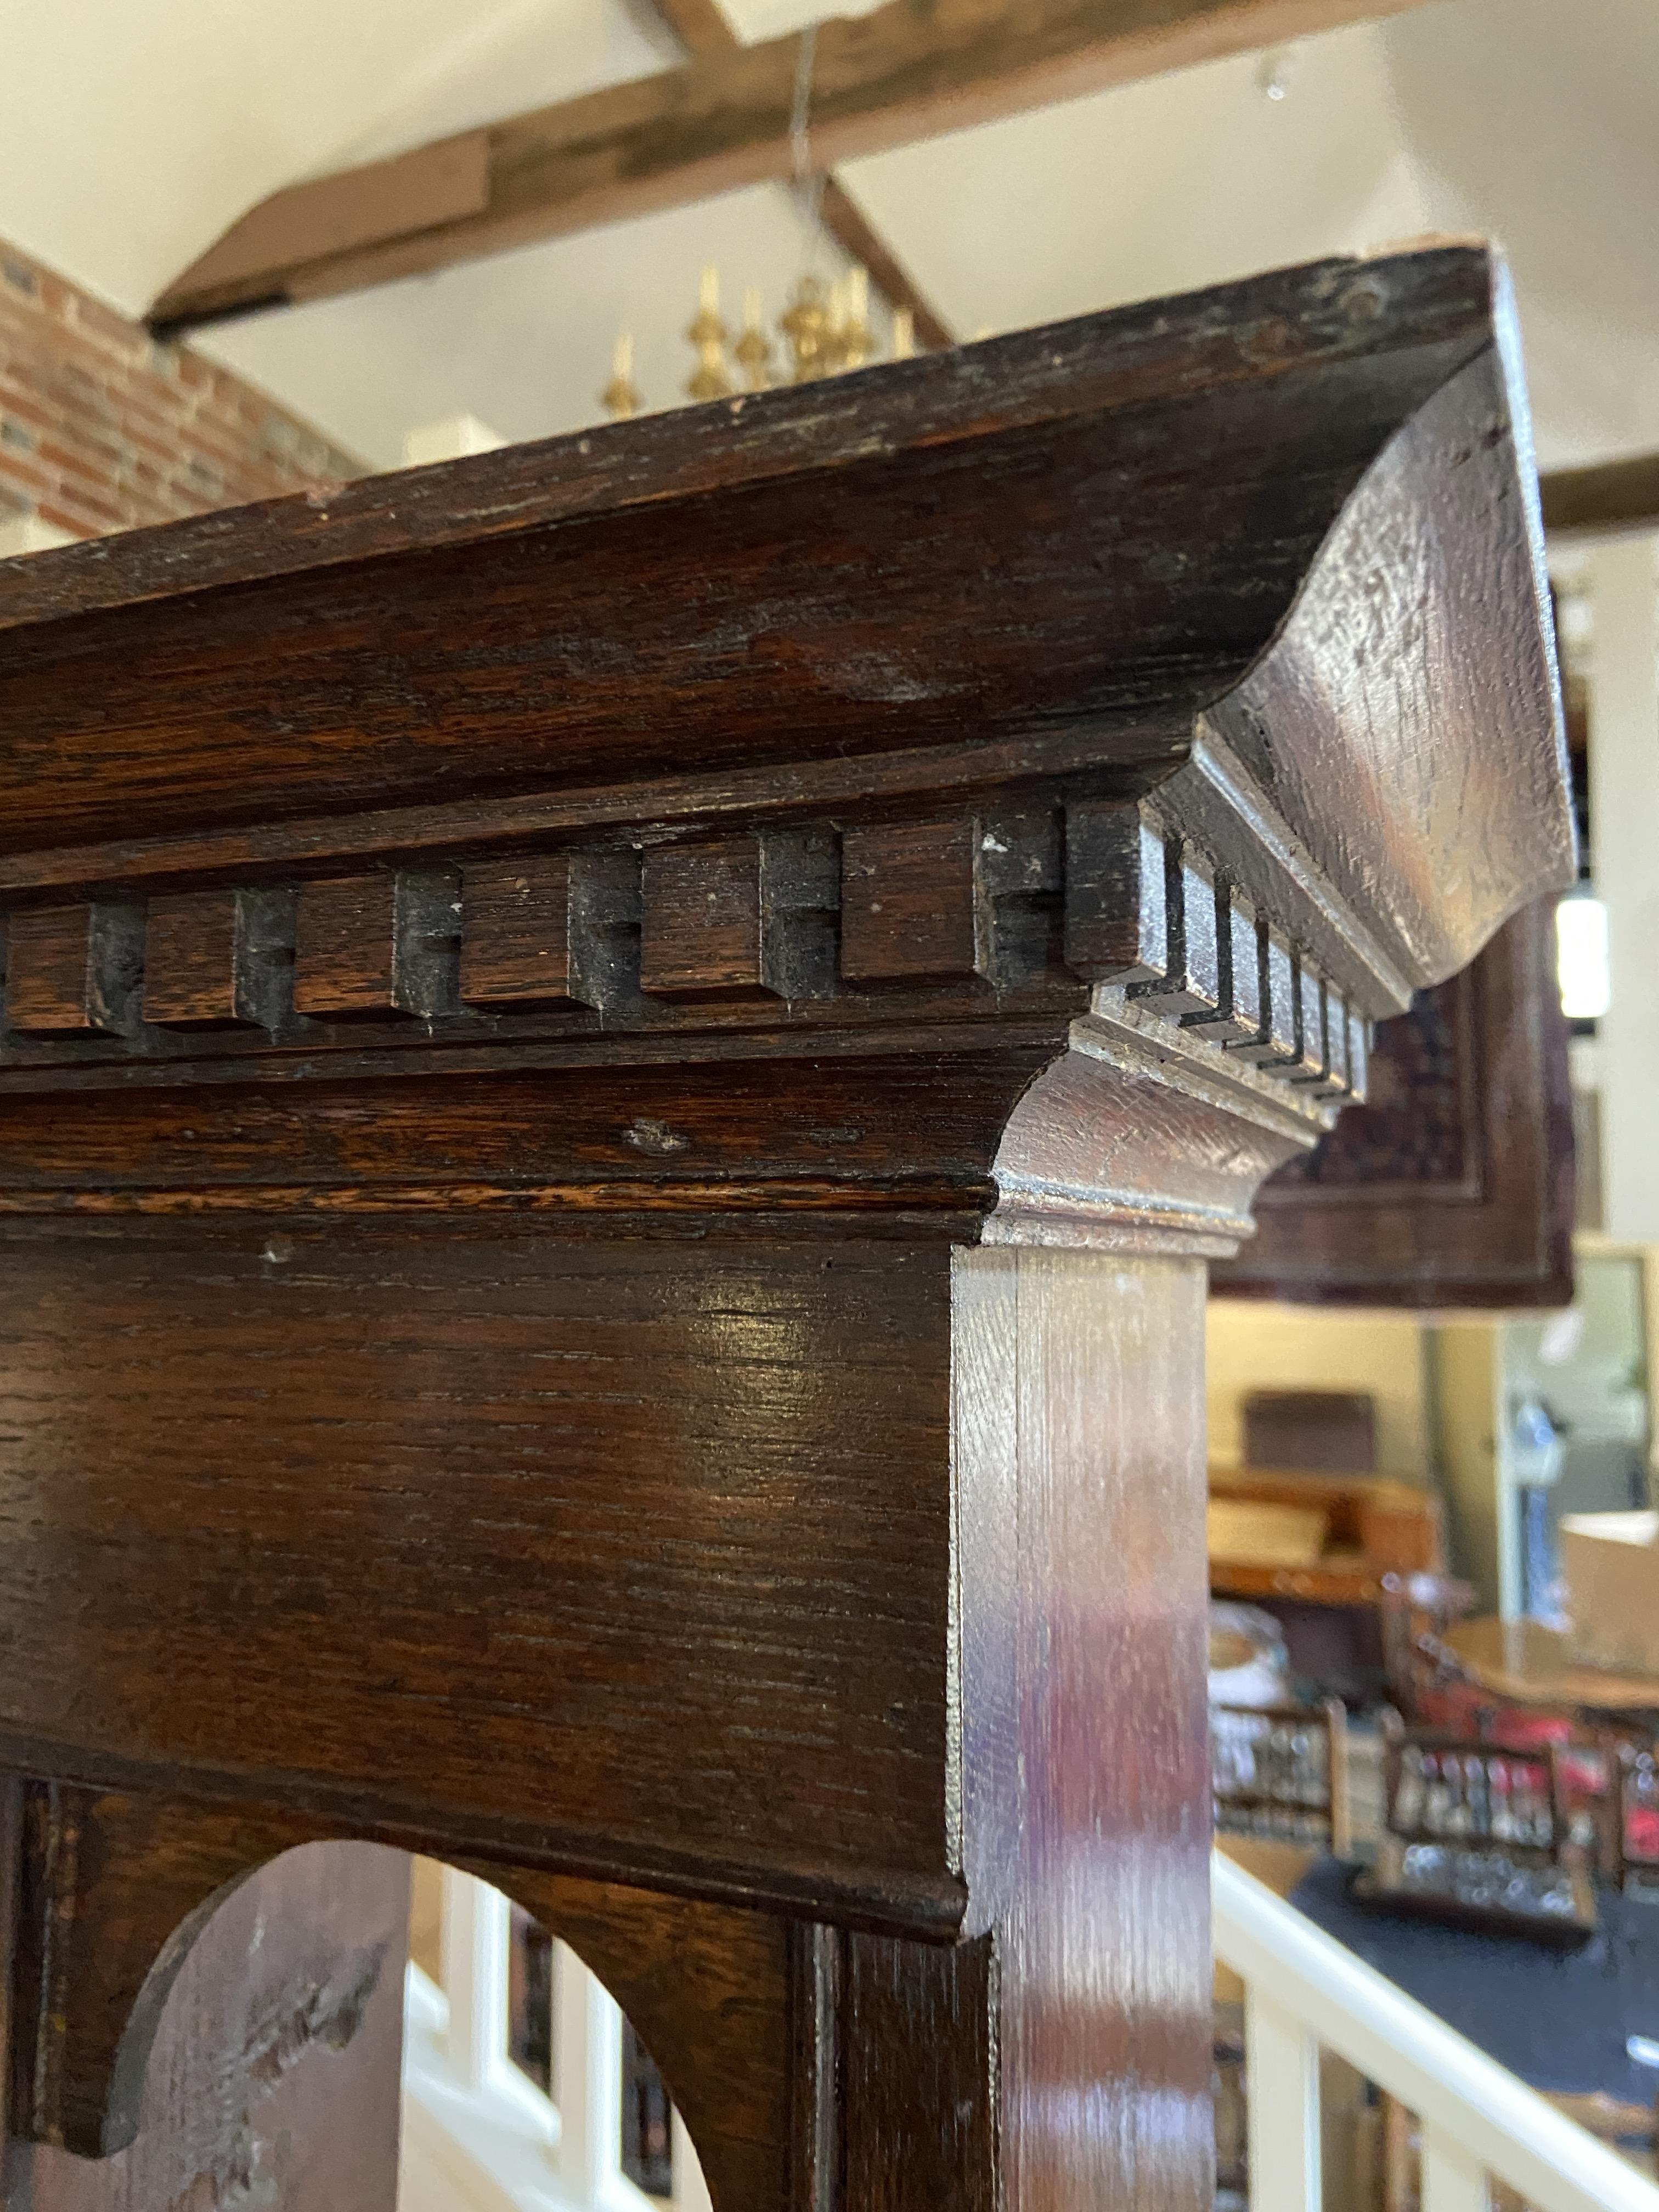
[[131, 671], [606, 1281], [1103, 1467], [1534, 1665], [507, 1441]]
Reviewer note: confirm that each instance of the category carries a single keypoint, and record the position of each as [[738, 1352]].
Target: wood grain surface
[[509, 1516], [539, 602], [918, 2040], [515, 949], [1447, 478], [1454, 1184], [916, 1127], [644, 1334], [191, 959], [1077, 1408], [47, 971]]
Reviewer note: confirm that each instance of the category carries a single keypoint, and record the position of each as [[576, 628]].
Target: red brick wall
[[102, 428]]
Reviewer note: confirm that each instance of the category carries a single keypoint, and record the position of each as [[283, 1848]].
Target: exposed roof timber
[[912, 70], [852, 230], [702, 28], [1614, 495]]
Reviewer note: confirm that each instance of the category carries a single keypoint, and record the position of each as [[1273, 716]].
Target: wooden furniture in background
[[1492, 1829], [1314, 1431], [1371, 1582], [1630, 1828], [1282, 1772], [1453, 1184], [622, 1062], [1525, 1664], [1545, 1826], [1373, 1531]]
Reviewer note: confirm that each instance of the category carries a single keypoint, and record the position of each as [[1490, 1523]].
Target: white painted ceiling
[[131, 135]]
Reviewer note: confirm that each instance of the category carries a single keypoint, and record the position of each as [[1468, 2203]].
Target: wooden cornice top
[[1265, 557], [1383, 332]]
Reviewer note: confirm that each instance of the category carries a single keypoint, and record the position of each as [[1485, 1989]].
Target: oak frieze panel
[[1014, 920]]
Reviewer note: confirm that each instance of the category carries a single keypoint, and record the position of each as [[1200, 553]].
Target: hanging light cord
[[808, 180]]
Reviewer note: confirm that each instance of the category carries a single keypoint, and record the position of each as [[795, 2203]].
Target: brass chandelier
[[825, 330]]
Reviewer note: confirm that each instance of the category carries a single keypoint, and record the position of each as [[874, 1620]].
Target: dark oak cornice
[[1125, 656]]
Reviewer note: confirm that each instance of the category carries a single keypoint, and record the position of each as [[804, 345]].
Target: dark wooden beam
[[912, 70], [1612, 495], [701, 27]]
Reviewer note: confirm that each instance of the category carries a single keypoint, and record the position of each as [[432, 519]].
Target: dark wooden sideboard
[[621, 1063]]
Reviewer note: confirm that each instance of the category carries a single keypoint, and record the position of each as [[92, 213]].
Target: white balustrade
[[479, 2135], [1305, 1991]]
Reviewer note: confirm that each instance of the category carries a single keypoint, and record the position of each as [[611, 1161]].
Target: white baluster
[[476, 1930], [1454, 2179], [587, 2082], [1478, 2121], [1281, 2074], [690, 2189]]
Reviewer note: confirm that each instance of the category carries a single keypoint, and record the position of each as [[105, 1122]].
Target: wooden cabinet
[[622, 1062], [1452, 1185]]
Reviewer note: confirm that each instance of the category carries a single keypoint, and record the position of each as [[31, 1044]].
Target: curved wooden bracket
[[119, 1890]]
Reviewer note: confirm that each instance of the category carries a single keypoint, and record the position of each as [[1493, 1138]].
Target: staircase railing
[[478, 2134], [1303, 1990]]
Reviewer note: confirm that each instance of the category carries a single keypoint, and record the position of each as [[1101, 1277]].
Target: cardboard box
[[1611, 1564]]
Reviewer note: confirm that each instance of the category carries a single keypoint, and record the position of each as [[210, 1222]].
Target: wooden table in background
[[1524, 1661]]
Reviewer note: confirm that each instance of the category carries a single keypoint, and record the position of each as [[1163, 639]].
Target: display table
[[1527, 1664]]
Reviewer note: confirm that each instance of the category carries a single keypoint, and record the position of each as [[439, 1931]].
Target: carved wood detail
[[1454, 1184], [270, 2072], [983, 917], [648, 1331], [117, 1888]]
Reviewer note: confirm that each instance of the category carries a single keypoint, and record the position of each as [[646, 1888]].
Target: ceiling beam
[[1615, 496], [910, 70], [701, 27]]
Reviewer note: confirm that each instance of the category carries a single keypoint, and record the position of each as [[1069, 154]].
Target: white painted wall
[[1252, 1345], [27, 534], [1623, 759], [132, 135]]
